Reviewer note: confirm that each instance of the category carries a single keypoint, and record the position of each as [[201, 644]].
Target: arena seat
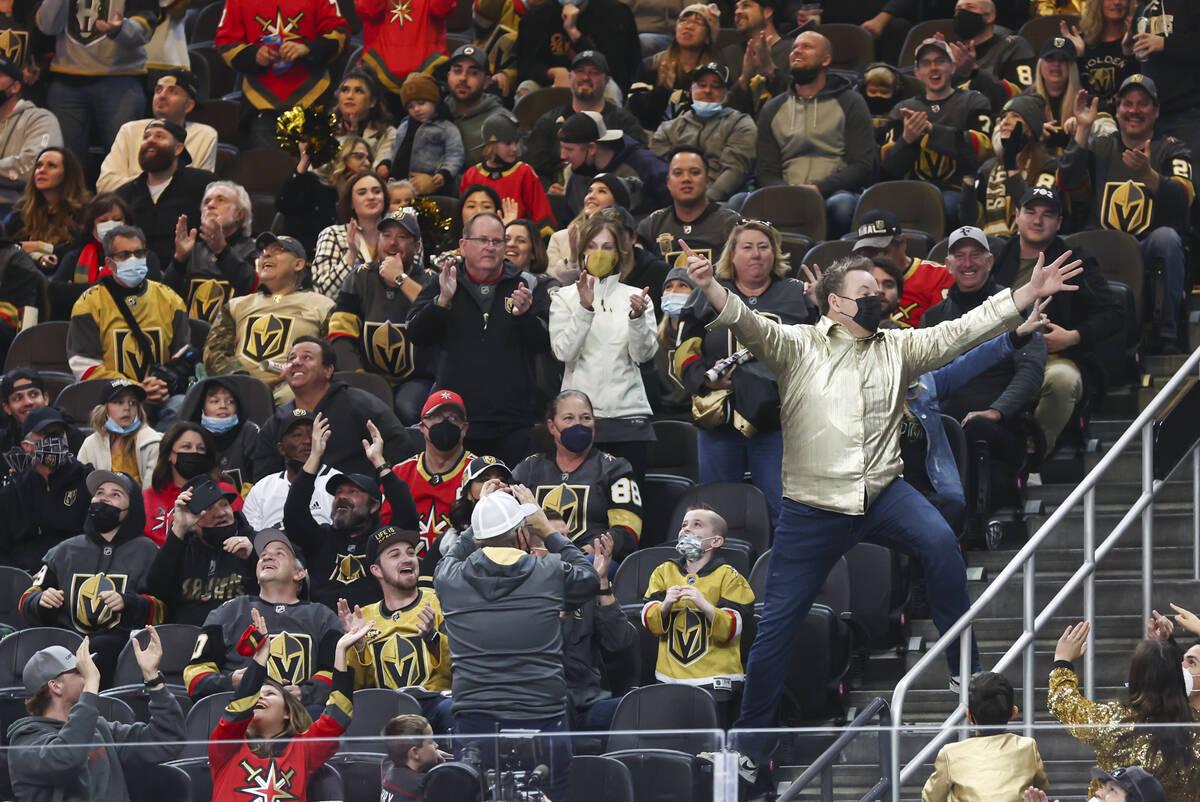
[[744, 508], [667, 775], [13, 583], [666, 706], [596, 778], [373, 708]]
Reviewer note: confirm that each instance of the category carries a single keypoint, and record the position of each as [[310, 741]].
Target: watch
[[158, 679]]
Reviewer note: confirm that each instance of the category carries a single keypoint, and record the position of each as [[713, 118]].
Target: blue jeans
[[553, 750], [808, 542], [1165, 243], [725, 456], [596, 718], [409, 396], [654, 43], [839, 213], [97, 109]]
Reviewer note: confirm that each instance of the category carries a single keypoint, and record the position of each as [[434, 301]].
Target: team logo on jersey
[[1126, 206], [81, 25], [69, 498], [569, 501], [400, 12], [1104, 81], [286, 28], [388, 348], [934, 166], [347, 569], [268, 783], [688, 635], [90, 613], [267, 337], [205, 297], [14, 44], [291, 656], [679, 258], [131, 360], [400, 661]]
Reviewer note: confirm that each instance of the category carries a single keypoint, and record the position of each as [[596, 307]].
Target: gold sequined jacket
[[1108, 728]]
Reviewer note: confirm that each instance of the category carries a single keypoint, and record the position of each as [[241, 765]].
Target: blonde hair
[[1066, 105], [597, 223], [129, 441], [779, 266], [1091, 25]]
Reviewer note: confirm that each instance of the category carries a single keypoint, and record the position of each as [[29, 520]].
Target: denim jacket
[[437, 146], [924, 403]]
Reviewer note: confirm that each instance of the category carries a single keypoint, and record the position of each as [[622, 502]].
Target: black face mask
[[105, 517], [219, 534], [968, 24], [880, 106], [1013, 144], [191, 464], [869, 312], [53, 452], [805, 75], [444, 435]]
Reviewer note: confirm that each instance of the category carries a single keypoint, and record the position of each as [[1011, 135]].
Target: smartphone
[[204, 495]]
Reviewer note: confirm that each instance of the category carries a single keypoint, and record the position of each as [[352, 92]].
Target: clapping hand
[[426, 621], [602, 549], [351, 638], [185, 239], [585, 285], [639, 303], [447, 283], [522, 299]]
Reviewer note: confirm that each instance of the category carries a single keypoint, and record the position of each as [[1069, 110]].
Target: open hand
[[585, 285], [509, 211], [148, 659], [447, 284], [1051, 278], [373, 448], [639, 303], [812, 277], [185, 240], [1073, 642]]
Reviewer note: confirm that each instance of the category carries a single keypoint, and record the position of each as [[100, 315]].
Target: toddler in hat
[[429, 148], [514, 181]]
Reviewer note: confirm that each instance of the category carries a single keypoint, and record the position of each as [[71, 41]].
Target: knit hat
[[678, 274], [711, 15], [616, 186], [419, 86], [1032, 111]]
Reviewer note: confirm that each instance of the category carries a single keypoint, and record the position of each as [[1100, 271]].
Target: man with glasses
[[126, 324], [941, 135], [490, 321]]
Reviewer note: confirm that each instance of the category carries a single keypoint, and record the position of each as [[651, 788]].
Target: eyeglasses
[[487, 242], [438, 417], [121, 256], [934, 62]]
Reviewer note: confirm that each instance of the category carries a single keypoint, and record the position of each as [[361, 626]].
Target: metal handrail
[[1023, 561], [823, 766]]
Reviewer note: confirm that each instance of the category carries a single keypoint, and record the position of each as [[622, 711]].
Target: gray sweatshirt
[[82, 50], [23, 134], [85, 758]]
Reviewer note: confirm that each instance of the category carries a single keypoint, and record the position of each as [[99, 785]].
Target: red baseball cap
[[440, 398]]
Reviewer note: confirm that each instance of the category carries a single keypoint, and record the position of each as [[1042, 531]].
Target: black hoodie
[[84, 565], [235, 448]]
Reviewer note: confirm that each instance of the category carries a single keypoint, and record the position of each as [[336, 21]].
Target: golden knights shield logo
[[89, 612], [1104, 81], [290, 659], [687, 637], [130, 359], [1126, 206], [267, 337], [933, 166], [14, 44], [206, 296], [388, 348], [569, 501], [347, 568], [400, 661]]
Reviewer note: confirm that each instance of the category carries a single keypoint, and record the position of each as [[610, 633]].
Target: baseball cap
[[10, 68], [364, 483], [933, 41], [711, 68], [39, 419], [470, 53], [1059, 46], [479, 465], [182, 78], [97, 478], [385, 536], [500, 127], [1139, 785], [117, 386], [402, 217], [497, 514], [877, 230], [1047, 195], [8, 384], [45, 665], [1139, 81], [174, 129], [440, 398], [289, 420], [593, 57], [587, 126], [289, 244], [972, 233], [268, 536]]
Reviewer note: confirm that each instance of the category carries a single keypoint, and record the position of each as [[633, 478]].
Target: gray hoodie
[[24, 133], [85, 758], [501, 609]]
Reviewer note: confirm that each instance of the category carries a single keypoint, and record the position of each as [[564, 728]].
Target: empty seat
[[659, 497], [113, 709], [675, 452], [223, 115], [919, 33], [13, 583], [538, 102], [201, 721], [17, 647], [362, 778], [665, 775], [261, 171], [823, 254], [153, 782], [178, 641], [878, 592], [204, 29], [916, 204], [79, 399], [40, 347], [853, 47], [669, 706], [373, 708], [452, 781], [373, 383], [1038, 30], [819, 658], [743, 507], [596, 778], [791, 209]]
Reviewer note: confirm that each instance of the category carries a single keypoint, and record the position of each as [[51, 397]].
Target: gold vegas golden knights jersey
[[254, 329], [690, 649], [100, 344], [395, 656]]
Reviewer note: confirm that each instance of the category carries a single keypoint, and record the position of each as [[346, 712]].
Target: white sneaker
[[747, 769]]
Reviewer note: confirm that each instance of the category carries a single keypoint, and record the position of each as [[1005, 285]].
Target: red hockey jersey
[[406, 33], [520, 183], [434, 494], [925, 285]]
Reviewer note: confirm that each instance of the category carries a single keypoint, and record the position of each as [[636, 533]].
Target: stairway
[[1118, 623]]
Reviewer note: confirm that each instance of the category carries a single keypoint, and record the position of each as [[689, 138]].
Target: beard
[[403, 582], [349, 519], [154, 160]]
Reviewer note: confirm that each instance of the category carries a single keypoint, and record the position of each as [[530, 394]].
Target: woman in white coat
[[121, 439], [602, 329]]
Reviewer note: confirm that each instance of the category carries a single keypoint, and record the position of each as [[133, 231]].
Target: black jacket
[[1093, 310], [194, 575], [233, 270], [486, 355], [236, 447], [541, 152], [182, 196], [308, 205], [39, 514], [605, 25], [335, 558], [348, 410], [586, 630]]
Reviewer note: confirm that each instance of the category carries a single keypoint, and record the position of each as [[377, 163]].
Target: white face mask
[[1189, 682]]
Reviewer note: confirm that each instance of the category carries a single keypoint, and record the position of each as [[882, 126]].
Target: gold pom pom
[[311, 126]]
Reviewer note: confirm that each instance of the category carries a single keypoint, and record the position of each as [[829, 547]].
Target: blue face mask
[[576, 439], [706, 108], [218, 425], [132, 271], [672, 304], [111, 425]]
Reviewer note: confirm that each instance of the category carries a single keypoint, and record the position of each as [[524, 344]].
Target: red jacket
[[161, 504], [925, 285], [407, 33], [245, 25], [520, 183]]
